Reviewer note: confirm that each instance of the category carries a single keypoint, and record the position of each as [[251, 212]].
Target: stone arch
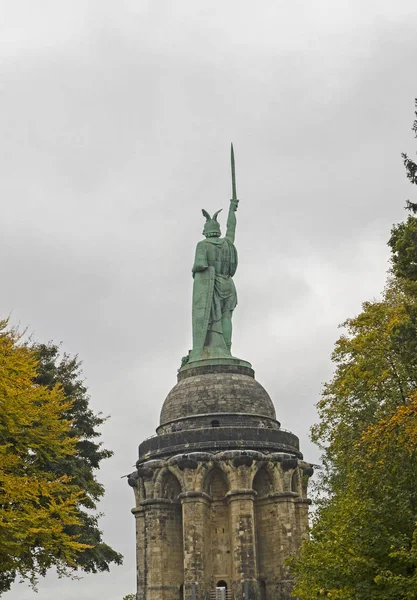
[[171, 488], [216, 484], [274, 473], [199, 478], [167, 485], [265, 505], [287, 480], [221, 590], [167, 527], [159, 476], [141, 489], [305, 474], [262, 482], [296, 482]]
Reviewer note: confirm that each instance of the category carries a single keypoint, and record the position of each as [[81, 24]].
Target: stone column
[[301, 518], [195, 515], [289, 542], [140, 552], [154, 512], [242, 515], [154, 577]]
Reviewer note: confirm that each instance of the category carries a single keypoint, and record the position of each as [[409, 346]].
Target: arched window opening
[[265, 534], [217, 484], [172, 488], [262, 483], [295, 481], [215, 423]]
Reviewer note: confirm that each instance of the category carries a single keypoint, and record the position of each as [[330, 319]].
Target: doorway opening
[[221, 590]]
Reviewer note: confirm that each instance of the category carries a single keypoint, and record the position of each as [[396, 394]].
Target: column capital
[[156, 502], [237, 494], [138, 511], [194, 496]]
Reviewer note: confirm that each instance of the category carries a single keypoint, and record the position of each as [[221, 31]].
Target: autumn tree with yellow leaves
[[363, 543], [39, 504]]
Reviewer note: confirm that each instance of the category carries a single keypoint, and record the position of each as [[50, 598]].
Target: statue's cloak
[[213, 291]]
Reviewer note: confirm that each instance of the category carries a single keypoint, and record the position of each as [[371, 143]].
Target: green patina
[[214, 292]]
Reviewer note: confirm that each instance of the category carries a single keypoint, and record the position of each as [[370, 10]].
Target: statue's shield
[[202, 298]]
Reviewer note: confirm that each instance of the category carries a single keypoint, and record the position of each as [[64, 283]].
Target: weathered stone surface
[[214, 393], [219, 438], [239, 523], [223, 419], [221, 492], [205, 367]]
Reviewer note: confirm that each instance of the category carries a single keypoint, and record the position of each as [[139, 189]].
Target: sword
[[234, 196]]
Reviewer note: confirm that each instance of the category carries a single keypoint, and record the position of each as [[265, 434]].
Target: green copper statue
[[214, 292]]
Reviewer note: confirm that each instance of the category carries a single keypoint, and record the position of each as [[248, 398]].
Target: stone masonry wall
[[232, 516]]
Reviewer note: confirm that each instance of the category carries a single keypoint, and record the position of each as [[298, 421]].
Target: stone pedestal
[[221, 492]]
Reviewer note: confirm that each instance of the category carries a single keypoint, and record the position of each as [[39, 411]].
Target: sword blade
[[232, 158]]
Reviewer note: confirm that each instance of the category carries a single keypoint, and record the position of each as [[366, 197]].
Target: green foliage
[[403, 243], [48, 457], [66, 371], [38, 507], [363, 543], [411, 166]]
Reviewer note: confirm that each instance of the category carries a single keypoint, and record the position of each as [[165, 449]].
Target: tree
[[403, 240], [65, 371], [37, 506], [368, 506], [49, 453], [363, 543], [411, 167]]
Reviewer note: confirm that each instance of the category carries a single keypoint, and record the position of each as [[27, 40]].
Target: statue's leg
[[227, 327]]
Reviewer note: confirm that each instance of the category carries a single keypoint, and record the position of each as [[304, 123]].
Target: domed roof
[[217, 392]]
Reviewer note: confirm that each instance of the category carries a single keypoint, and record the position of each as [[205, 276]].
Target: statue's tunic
[[218, 256]]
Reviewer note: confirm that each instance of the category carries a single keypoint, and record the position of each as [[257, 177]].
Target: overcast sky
[[116, 121]]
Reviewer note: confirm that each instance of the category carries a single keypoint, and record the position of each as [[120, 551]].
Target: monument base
[[205, 362]]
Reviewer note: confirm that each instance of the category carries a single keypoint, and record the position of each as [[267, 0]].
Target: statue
[[214, 292]]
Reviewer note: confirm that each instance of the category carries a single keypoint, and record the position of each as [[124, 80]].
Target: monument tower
[[221, 489]]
